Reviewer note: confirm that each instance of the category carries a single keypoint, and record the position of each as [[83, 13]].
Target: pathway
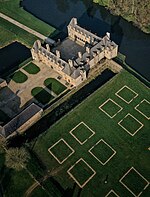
[[37, 34]]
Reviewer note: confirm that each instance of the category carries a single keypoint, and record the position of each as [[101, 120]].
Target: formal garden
[[106, 154]]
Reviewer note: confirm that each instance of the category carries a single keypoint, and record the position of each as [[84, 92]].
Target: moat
[[11, 56], [133, 43]]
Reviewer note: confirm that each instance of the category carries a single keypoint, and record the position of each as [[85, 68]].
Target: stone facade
[[75, 70]]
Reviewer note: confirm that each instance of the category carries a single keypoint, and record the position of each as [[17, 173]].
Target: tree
[[136, 11], [16, 158], [3, 145]]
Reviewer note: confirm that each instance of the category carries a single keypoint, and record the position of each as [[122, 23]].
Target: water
[[48, 120], [132, 42], [11, 56]]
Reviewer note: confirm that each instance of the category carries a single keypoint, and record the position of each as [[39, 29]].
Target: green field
[[31, 68], [131, 151], [102, 152], [10, 32], [82, 133], [41, 95], [61, 151], [134, 182], [131, 124], [81, 172], [143, 108], [19, 77], [54, 85], [39, 192], [12, 9], [127, 94], [110, 108]]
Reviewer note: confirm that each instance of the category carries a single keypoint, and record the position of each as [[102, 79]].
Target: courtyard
[[29, 82]]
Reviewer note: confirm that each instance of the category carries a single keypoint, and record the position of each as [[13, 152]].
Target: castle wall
[[30, 122]]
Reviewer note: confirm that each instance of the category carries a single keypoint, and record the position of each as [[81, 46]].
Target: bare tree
[[16, 158]]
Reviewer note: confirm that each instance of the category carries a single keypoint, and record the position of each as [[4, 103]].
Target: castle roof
[[19, 120]]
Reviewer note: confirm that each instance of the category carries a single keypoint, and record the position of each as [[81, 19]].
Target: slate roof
[[19, 120]]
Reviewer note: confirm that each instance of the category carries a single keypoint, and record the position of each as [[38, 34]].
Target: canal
[[133, 43], [48, 120], [11, 56]]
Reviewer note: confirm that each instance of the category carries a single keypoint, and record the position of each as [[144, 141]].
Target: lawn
[[126, 94], [39, 192], [41, 95], [82, 133], [19, 77], [11, 32], [32, 68], [144, 108], [6, 36], [134, 182], [13, 9], [54, 85], [16, 183], [131, 151]]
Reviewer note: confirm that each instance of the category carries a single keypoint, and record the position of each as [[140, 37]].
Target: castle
[[77, 54]]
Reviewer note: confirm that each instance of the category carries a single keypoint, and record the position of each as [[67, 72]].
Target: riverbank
[[10, 32], [137, 13]]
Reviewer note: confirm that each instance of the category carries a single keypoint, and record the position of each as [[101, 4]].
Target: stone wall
[[97, 48]]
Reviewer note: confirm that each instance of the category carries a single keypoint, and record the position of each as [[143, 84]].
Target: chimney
[[94, 53], [80, 55], [58, 53], [87, 59], [108, 35], [39, 44], [48, 47], [88, 49], [70, 62]]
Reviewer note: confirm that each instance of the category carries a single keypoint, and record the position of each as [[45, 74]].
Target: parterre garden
[[54, 85], [31, 68], [41, 94], [102, 146]]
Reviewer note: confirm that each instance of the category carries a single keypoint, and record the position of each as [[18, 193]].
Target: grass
[[16, 183], [127, 148], [13, 9], [127, 94], [110, 108], [82, 133], [19, 77], [81, 172], [39, 192], [41, 95], [144, 108], [134, 182], [6, 36], [60, 150], [102, 152], [10, 33], [54, 85], [31, 68], [130, 124]]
